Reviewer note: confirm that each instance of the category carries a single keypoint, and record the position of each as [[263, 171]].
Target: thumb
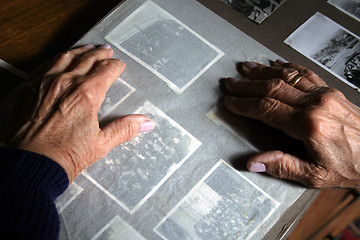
[[280, 165], [124, 129]]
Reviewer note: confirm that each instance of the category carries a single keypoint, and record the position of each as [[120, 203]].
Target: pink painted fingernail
[[257, 167], [89, 46], [106, 45], [250, 65], [279, 61], [147, 126]]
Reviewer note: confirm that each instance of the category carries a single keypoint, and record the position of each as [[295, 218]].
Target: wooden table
[[34, 31]]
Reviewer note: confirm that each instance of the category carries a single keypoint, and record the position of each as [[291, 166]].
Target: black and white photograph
[[85, 204], [256, 10], [331, 46], [350, 7], [165, 46], [65, 200], [117, 228], [216, 208], [118, 92], [133, 171]]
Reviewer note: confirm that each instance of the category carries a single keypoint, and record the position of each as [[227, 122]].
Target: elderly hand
[[55, 114], [310, 111]]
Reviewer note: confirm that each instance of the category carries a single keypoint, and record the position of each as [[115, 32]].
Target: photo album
[[186, 178]]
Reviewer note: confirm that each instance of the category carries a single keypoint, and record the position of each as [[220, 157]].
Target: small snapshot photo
[[133, 171], [350, 7], [71, 193], [117, 228], [256, 10], [118, 92], [329, 45], [223, 205], [165, 46]]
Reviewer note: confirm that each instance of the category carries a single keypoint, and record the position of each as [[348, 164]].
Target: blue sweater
[[29, 184]]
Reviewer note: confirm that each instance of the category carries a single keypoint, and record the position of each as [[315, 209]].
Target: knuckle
[[281, 170], [315, 123], [88, 58], [88, 94], [268, 106], [308, 73], [64, 56], [288, 74], [112, 65], [318, 115], [337, 93], [273, 86], [61, 83], [64, 77], [328, 98]]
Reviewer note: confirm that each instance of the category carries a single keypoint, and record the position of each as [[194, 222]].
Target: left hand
[[310, 111], [55, 112]]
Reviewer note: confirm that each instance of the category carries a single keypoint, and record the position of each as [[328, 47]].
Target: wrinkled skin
[[55, 112], [312, 112]]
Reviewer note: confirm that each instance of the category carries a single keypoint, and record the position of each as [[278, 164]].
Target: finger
[[259, 71], [308, 74], [123, 130], [273, 88], [86, 61], [268, 110], [63, 61], [286, 166], [103, 75]]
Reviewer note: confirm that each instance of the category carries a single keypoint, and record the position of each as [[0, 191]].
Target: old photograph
[[165, 46], [68, 197], [217, 208], [87, 205], [118, 92], [256, 10], [350, 7], [117, 228], [133, 171], [329, 45]]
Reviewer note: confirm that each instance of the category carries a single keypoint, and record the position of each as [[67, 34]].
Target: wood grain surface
[[34, 31]]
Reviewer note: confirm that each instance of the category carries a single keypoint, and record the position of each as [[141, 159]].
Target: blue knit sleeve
[[29, 184]]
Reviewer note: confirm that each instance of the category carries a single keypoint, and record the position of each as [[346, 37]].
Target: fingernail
[[257, 167], [107, 46], [279, 61], [231, 80], [89, 46], [147, 126], [250, 65]]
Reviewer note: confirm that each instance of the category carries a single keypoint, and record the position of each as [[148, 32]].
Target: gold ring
[[296, 79]]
